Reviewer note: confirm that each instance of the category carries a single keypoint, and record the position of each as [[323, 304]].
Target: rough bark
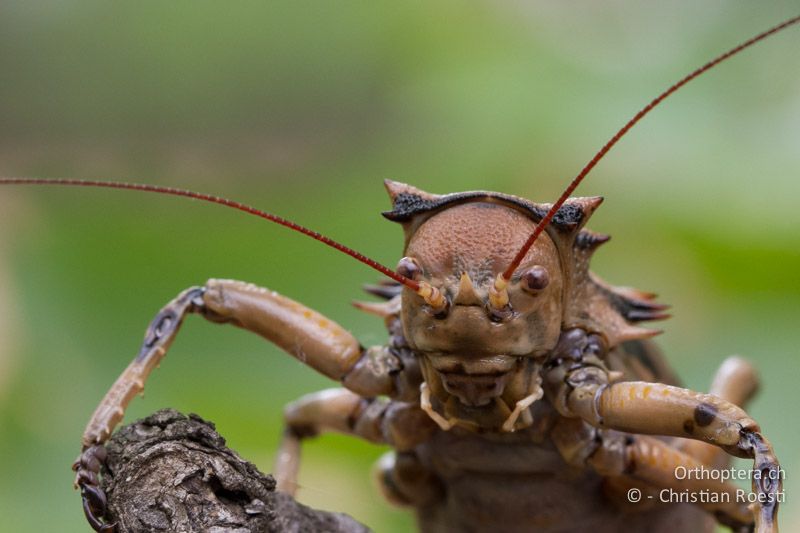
[[172, 472]]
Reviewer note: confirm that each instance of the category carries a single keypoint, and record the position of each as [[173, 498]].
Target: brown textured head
[[476, 353], [460, 250], [482, 348]]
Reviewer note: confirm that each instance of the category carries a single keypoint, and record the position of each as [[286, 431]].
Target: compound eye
[[534, 279], [409, 268]]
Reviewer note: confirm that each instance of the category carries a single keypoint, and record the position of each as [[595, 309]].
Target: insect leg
[[737, 382], [300, 331], [377, 420], [655, 462], [109, 413], [646, 463], [658, 409], [336, 410]]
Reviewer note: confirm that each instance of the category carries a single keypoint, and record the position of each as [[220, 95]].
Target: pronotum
[[645, 285]]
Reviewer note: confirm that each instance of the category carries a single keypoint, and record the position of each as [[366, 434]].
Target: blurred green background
[[302, 108]]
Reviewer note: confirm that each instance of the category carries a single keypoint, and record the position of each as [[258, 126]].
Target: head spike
[[628, 125], [589, 241], [411, 284], [382, 309], [387, 289], [466, 292]]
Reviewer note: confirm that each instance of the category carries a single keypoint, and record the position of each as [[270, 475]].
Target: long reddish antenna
[[506, 275], [411, 284]]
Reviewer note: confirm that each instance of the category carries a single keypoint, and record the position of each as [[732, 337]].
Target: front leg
[[307, 335], [578, 385]]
